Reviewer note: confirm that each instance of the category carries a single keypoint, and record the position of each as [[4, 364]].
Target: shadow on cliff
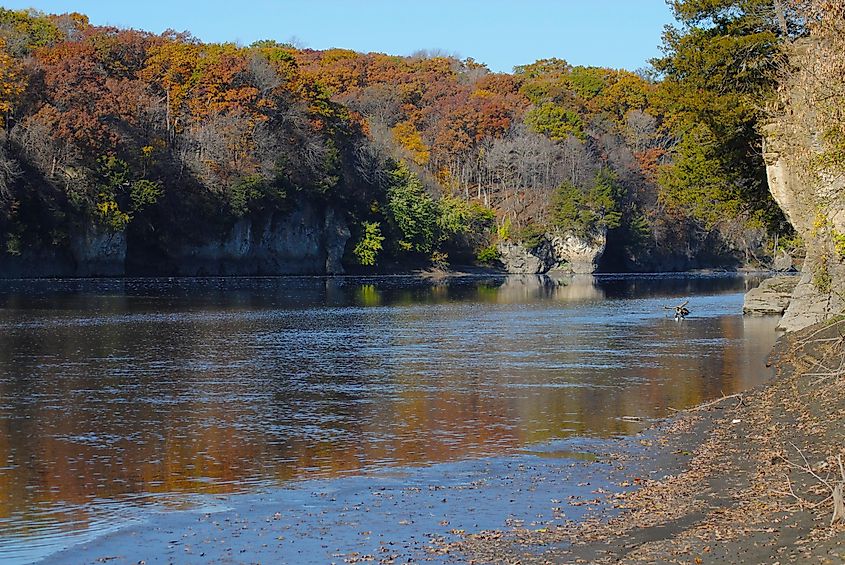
[[677, 252]]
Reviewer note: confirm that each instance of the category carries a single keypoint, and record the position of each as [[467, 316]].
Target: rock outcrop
[[519, 260], [811, 198], [99, 253], [305, 241], [772, 297], [578, 255], [566, 253], [784, 263], [802, 200], [91, 252]]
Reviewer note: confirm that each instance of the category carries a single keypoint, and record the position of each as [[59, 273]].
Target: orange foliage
[[12, 82], [649, 161]]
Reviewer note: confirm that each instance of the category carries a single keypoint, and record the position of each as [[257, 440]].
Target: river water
[[121, 396]]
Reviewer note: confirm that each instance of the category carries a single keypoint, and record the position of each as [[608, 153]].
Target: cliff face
[[812, 197], [559, 252], [88, 253], [811, 207], [578, 255], [98, 254], [307, 240]]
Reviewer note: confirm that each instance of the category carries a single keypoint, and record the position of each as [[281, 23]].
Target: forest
[[430, 159]]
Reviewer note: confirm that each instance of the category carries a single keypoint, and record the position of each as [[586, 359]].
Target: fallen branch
[[808, 339], [711, 403], [807, 468], [681, 310], [836, 489], [829, 373]]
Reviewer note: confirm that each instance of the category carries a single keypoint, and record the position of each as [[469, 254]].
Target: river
[[120, 399]]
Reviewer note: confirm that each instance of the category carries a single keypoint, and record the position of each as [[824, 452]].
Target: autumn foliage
[[165, 137]]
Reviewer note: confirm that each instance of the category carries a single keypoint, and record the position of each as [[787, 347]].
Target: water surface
[[120, 395]]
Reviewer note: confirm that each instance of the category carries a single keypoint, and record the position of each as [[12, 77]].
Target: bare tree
[[35, 138], [380, 103], [263, 75], [519, 172], [640, 130], [9, 170]]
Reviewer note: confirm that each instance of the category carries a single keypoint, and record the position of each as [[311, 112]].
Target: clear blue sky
[[500, 33]]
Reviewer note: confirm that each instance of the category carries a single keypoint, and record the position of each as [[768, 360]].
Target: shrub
[[583, 212], [488, 255], [110, 216], [531, 236], [369, 245], [144, 193], [412, 212]]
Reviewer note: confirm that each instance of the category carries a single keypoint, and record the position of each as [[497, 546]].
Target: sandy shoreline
[[756, 488], [388, 516]]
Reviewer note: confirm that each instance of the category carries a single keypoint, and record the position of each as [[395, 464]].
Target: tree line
[[432, 158]]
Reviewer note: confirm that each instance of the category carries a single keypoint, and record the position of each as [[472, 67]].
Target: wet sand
[[396, 515], [423, 514]]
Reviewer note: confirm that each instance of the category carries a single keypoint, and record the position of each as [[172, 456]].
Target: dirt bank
[[756, 487]]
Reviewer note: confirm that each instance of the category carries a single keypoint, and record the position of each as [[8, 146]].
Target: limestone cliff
[[811, 196], [578, 255], [307, 240], [98, 253], [88, 252], [563, 252]]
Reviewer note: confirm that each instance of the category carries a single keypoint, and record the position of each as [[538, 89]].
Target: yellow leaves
[[208, 80], [333, 55], [480, 93], [12, 82], [172, 64], [111, 216], [410, 139]]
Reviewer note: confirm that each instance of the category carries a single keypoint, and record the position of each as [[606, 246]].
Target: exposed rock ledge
[[306, 241], [88, 252], [309, 240], [812, 199], [771, 297], [566, 253]]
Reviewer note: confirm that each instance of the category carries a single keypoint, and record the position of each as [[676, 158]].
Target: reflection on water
[[120, 393]]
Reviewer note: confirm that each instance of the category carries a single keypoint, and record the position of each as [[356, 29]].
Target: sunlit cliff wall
[[807, 181]]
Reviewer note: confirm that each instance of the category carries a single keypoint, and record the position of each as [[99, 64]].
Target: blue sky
[[500, 33]]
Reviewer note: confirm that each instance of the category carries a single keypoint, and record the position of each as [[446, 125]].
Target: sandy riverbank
[[756, 487], [395, 515]]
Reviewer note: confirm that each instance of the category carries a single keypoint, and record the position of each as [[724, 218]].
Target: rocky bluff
[[308, 240], [811, 195], [556, 251]]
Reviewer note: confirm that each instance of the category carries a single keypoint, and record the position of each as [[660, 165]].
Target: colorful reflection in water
[[117, 394]]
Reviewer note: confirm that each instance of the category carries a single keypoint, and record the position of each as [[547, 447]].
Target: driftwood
[[681, 310], [711, 403], [835, 487], [838, 505], [838, 499]]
